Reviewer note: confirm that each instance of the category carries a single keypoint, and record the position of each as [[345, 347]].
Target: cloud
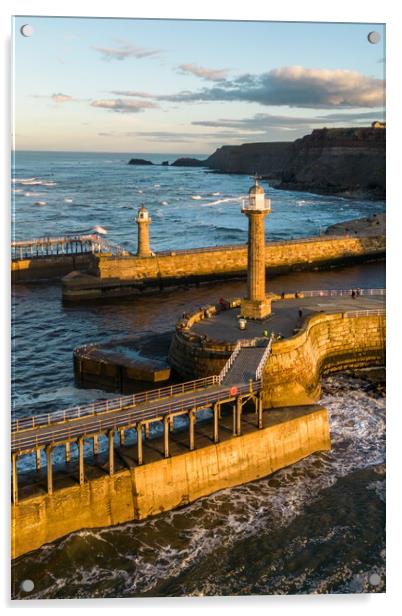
[[262, 122], [210, 74], [120, 105], [294, 86], [133, 93], [126, 50], [61, 98]]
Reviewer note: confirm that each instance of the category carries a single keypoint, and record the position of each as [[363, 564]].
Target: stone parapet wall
[[327, 342], [278, 256]]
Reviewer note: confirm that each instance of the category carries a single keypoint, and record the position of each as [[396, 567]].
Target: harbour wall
[[150, 489], [326, 343], [112, 276], [52, 267]]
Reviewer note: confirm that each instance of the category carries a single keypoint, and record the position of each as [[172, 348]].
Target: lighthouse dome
[[256, 189]]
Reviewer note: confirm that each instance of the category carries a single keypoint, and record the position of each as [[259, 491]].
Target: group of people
[[355, 293]]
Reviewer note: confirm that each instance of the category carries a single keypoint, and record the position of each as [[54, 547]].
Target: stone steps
[[245, 366]]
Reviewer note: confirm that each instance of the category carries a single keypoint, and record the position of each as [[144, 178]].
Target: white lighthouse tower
[[256, 305]]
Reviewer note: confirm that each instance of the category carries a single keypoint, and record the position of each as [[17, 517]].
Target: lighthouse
[[256, 305], [143, 221]]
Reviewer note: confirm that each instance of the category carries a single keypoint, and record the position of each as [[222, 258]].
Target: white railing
[[365, 313], [263, 360], [67, 244], [114, 404], [341, 292], [250, 342]]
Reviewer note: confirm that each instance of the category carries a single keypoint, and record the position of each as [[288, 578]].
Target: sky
[[156, 86]]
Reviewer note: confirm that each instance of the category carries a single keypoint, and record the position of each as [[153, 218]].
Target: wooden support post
[[68, 453], [238, 415], [96, 445], [191, 419], [216, 409], [139, 443], [81, 471], [171, 423], [147, 431], [37, 456], [15, 478], [111, 452], [166, 435], [122, 438], [260, 409], [49, 470], [234, 419], [256, 403]]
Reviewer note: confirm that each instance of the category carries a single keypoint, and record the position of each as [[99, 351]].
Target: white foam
[[40, 203], [68, 200], [196, 197], [224, 200]]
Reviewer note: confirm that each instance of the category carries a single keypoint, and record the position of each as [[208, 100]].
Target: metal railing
[[106, 406], [341, 292], [64, 245], [22, 441], [245, 342], [365, 313], [264, 358]]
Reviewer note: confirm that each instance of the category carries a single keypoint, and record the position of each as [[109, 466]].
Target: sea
[[315, 527]]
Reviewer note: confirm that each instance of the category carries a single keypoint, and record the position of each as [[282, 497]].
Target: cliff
[[339, 161]]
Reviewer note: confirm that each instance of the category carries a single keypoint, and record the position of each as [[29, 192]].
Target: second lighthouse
[[257, 305]]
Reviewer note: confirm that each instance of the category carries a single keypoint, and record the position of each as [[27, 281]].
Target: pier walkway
[[72, 244], [238, 383]]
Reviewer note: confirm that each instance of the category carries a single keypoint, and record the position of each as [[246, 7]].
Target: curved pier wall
[[279, 256], [327, 342], [150, 489]]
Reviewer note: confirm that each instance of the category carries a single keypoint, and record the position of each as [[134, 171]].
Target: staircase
[[245, 365]]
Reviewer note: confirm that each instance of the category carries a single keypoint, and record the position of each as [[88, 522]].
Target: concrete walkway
[[284, 318]]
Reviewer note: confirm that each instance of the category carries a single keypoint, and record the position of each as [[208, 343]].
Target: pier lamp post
[[143, 221], [256, 305]]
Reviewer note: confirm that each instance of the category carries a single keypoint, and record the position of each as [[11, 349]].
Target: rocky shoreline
[[372, 226], [346, 162]]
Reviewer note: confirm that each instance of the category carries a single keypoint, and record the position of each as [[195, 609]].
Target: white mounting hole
[[373, 37], [26, 30], [27, 585]]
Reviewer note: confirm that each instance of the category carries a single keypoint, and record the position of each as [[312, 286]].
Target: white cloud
[[294, 86], [62, 98], [210, 74], [120, 105], [126, 50]]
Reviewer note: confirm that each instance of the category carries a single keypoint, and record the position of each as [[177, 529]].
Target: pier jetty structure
[[249, 409]]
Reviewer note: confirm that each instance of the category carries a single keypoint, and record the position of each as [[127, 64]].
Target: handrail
[[130, 417], [244, 342], [365, 313], [97, 408], [53, 246], [263, 360], [341, 292]]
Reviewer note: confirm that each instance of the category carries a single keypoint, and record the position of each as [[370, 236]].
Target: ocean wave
[[225, 200], [34, 182], [172, 551], [196, 197], [68, 200]]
